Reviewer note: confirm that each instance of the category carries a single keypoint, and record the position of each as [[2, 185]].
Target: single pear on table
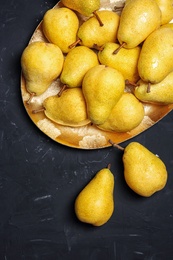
[[125, 60], [77, 62], [160, 93], [86, 8], [144, 172], [102, 87], [166, 7], [69, 109], [90, 33], [127, 114], [95, 203], [60, 26], [138, 19], [155, 59], [41, 64]]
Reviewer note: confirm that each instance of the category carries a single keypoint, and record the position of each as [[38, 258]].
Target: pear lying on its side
[[127, 114], [160, 93], [77, 62], [41, 64], [60, 26], [126, 60], [144, 172], [95, 203], [69, 109]]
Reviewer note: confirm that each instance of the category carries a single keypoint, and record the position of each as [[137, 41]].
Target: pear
[[102, 88], [144, 172], [160, 93], [41, 64], [69, 109], [166, 7], [95, 204], [167, 25], [85, 8], [155, 59], [60, 26], [138, 19], [90, 33], [127, 114], [125, 61], [77, 62]]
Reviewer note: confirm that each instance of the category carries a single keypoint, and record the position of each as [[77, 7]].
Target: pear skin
[[91, 33], [69, 109], [127, 114], [85, 8], [160, 93], [144, 172], [77, 62], [60, 26], [138, 19], [102, 88], [155, 59], [126, 60], [41, 64], [95, 203], [166, 7]]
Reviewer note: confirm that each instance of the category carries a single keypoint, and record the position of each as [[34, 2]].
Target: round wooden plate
[[86, 137]]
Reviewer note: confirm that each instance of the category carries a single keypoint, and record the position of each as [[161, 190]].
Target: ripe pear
[[125, 60], [127, 114], [102, 88], [69, 109], [85, 8], [145, 173], [95, 203], [41, 64], [160, 93], [60, 26], [155, 59], [167, 25], [138, 19], [90, 33], [77, 62], [166, 7]]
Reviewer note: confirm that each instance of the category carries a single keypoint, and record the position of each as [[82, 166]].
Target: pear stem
[[74, 43], [98, 48], [28, 102], [128, 82], [116, 145], [38, 110], [148, 87], [61, 90], [109, 166], [98, 18], [119, 48]]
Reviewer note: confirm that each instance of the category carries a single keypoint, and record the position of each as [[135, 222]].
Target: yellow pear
[[102, 88], [125, 60], [95, 204], [41, 64], [60, 26], [69, 109], [145, 173], [155, 59], [127, 114], [90, 33], [138, 19], [167, 25], [166, 7], [160, 93], [77, 62], [85, 8]]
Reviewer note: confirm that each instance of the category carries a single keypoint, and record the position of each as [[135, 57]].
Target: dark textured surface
[[39, 179]]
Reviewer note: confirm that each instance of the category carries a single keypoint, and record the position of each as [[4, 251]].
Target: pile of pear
[[109, 64]]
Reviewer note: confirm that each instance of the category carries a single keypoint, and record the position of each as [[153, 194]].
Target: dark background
[[40, 179]]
